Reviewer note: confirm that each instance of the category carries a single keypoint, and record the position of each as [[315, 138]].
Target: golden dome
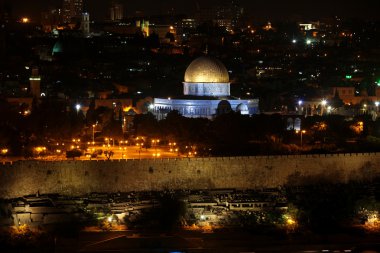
[[206, 70]]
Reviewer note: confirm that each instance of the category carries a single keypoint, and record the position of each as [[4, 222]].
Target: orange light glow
[[25, 20]]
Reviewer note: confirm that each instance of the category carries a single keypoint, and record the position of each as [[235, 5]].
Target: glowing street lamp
[[329, 108], [4, 151], [364, 108], [324, 103], [301, 132], [377, 105], [93, 134], [77, 107]]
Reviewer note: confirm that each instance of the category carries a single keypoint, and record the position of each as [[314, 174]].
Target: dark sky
[[263, 9]]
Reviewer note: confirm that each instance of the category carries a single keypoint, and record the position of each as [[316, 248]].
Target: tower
[[85, 24]]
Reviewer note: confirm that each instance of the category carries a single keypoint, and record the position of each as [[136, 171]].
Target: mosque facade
[[206, 93]]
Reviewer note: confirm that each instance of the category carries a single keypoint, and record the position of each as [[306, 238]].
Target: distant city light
[[308, 42], [348, 76], [4, 151], [77, 106], [300, 102], [25, 20], [324, 102], [294, 41]]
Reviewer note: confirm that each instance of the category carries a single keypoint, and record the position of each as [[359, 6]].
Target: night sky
[[262, 10]]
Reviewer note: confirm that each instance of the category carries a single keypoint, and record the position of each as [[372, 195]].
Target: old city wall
[[81, 177]]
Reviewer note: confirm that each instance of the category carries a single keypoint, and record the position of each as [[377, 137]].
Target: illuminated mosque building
[[206, 90]]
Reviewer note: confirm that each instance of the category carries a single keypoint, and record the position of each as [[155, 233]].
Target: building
[[72, 10], [5, 11], [226, 14], [51, 19], [206, 90], [116, 12], [35, 84]]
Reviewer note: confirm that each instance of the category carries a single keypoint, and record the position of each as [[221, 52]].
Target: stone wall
[[80, 177]]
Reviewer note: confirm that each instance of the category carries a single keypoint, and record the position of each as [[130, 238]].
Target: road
[[120, 152], [197, 242]]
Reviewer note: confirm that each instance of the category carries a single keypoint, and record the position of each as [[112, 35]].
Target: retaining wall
[[80, 177]]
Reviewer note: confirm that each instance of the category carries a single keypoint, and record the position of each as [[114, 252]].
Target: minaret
[[85, 22], [35, 84]]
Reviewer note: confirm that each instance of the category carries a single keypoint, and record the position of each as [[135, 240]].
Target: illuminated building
[[35, 84], [206, 91], [144, 26], [51, 19], [116, 12], [268, 26], [72, 10], [187, 23], [309, 26], [226, 14]]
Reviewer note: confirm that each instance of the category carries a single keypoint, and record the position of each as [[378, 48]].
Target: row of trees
[[51, 120]]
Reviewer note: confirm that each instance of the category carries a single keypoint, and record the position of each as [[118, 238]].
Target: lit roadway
[[134, 152], [120, 152]]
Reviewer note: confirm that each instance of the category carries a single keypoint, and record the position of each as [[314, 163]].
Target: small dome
[[58, 48], [206, 70]]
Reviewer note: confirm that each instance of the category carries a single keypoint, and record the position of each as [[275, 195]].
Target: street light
[[77, 106], [301, 132], [4, 151], [377, 106], [93, 134], [324, 103]]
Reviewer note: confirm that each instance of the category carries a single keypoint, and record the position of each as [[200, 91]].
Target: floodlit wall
[[81, 177]]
